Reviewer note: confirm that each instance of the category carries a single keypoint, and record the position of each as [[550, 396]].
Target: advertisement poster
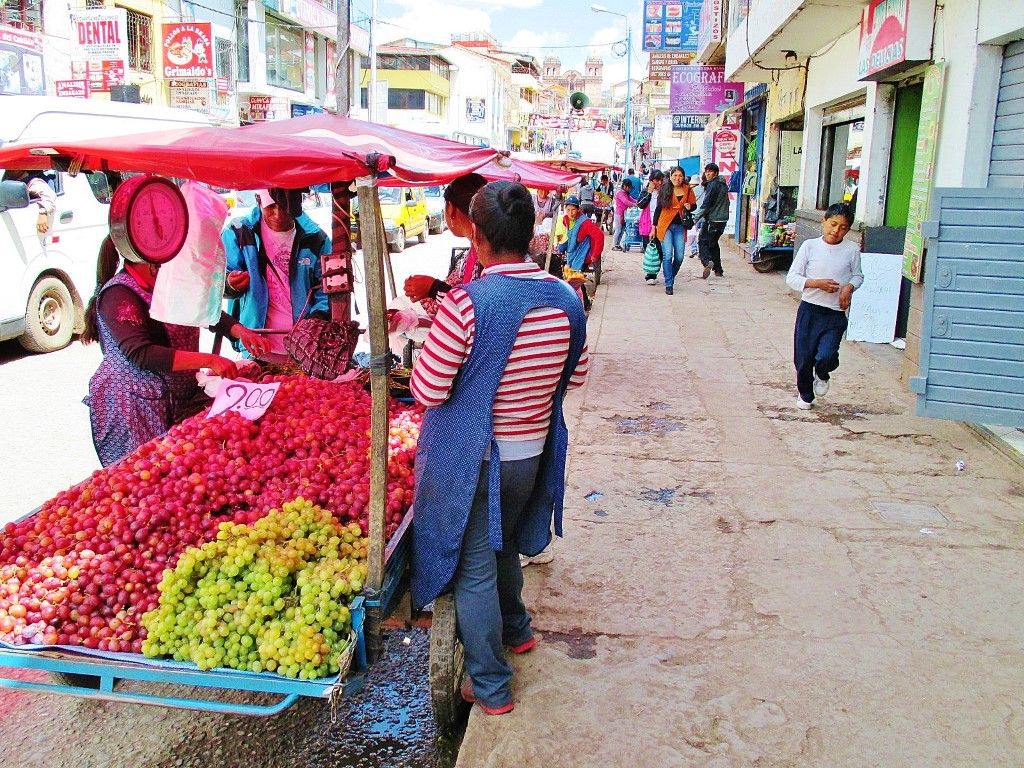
[[191, 94], [72, 89], [671, 25], [476, 110], [99, 47], [924, 170], [874, 304], [188, 50], [710, 33], [332, 52], [690, 122], [21, 63], [660, 63], [725, 152], [883, 36], [701, 89], [310, 65]]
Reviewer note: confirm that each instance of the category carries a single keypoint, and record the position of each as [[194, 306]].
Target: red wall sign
[[188, 50], [894, 35]]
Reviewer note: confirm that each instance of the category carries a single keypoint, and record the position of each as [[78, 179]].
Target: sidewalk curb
[[997, 443]]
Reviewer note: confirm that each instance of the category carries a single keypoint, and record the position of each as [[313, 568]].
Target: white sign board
[[249, 399], [874, 305]]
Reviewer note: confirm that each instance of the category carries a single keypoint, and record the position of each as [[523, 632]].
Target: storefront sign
[[21, 63], [476, 110], [924, 170], [725, 153], [690, 122], [188, 50], [191, 94], [99, 47], [72, 89], [660, 63], [256, 109], [710, 34], [671, 25], [786, 96], [702, 89], [894, 35]]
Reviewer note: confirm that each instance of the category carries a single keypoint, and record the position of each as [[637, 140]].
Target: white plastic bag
[[190, 287]]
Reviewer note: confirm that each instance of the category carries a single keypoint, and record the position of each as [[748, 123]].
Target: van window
[[390, 194]]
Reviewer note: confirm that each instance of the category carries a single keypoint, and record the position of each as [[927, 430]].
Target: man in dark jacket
[[714, 212]]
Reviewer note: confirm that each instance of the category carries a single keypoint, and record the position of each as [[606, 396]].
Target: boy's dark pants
[[816, 338], [708, 247]]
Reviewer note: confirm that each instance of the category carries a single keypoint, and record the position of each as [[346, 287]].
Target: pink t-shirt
[[278, 246]]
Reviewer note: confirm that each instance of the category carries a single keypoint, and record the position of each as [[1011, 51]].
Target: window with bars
[[22, 14], [225, 60], [140, 41]]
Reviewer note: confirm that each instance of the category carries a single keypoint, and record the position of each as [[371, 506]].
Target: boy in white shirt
[[826, 271]]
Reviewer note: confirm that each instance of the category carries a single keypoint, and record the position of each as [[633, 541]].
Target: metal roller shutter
[[1006, 168]]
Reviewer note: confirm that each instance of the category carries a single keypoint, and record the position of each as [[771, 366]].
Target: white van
[[46, 280]]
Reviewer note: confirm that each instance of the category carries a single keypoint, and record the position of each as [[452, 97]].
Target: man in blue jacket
[[273, 260]]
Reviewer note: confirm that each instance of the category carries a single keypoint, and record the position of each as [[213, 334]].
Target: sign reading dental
[[700, 89], [188, 50], [895, 35], [99, 47]]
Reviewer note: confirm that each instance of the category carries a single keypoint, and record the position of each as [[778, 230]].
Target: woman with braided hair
[[490, 463]]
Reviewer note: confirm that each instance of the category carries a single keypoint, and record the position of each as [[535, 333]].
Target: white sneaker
[[802, 404], [820, 386], [541, 558], [651, 281]]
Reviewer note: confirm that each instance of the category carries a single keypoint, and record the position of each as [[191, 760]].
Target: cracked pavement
[[732, 594]]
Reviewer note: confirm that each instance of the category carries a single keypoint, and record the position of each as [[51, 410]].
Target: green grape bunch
[[273, 596]]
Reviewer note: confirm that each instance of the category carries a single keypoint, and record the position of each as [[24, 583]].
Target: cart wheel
[[764, 266], [75, 680], [447, 666]]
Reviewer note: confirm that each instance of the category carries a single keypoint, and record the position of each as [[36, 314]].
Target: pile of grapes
[[269, 596]]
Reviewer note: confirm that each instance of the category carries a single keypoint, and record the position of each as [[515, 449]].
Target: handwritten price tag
[[247, 398]]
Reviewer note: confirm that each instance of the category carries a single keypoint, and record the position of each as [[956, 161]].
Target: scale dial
[[148, 219]]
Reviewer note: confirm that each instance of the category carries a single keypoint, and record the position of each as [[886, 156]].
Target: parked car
[[46, 280], [404, 210], [435, 209]]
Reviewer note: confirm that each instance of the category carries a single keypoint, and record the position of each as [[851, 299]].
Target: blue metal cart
[[631, 229]]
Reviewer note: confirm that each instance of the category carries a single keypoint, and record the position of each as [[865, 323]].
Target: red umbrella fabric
[[314, 149], [528, 173], [579, 166]]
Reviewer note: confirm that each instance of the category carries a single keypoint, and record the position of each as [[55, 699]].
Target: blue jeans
[[488, 585], [673, 251], [618, 230]]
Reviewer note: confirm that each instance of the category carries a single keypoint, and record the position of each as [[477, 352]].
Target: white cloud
[[435, 22]]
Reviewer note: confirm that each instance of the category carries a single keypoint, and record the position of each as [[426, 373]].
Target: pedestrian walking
[[623, 200], [490, 463], [693, 233], [713, 215], [826, 271], [672, 218], [645, 226]]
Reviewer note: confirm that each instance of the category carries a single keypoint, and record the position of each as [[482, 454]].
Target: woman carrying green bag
[[652, 251]]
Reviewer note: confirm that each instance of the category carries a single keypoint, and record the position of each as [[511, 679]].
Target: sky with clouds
[[567, 29]]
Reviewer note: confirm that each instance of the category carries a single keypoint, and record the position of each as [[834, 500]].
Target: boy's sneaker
[[543, 557], [802, 404], [820, 386]]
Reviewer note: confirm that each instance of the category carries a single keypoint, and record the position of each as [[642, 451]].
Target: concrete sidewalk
[[746, 584]]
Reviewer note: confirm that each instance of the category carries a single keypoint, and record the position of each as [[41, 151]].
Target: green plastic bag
[[652, 258]]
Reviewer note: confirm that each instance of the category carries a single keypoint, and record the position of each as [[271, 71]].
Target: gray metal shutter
[[972, 334], [1007, 165]]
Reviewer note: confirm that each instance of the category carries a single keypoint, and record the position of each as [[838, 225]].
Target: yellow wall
[[407, 78]]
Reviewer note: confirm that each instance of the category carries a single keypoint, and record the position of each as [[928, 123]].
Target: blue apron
[[456, 434]]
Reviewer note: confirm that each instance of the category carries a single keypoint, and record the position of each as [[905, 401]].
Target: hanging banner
[[924, 170], [188, 50], [21, 63], [725, 153], [671, 25], [99, 47], [710, 35], [309, 76], [701, 89], [660, 63], [332, 51]]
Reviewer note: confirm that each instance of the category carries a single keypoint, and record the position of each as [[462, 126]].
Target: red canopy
[[314, 149], [528, 173], [579, 166]]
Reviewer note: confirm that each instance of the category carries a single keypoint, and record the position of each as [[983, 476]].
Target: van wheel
[[423, 233], [49, 317], [399, 245]]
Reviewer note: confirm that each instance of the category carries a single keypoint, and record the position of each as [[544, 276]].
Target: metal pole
[[629, 95], [342, 71], [371, 88]]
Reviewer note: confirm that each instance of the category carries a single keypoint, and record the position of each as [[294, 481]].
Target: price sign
[[245, 397]]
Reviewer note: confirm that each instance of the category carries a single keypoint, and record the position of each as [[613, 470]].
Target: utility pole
[[342, 69], [371, 88], [629, 95]]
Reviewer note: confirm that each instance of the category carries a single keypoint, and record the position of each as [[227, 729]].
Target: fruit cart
[[291, 154]]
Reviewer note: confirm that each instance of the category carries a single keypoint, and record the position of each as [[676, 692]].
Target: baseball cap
[[572, 200]]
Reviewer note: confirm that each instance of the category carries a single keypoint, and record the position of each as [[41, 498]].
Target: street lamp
[[629, 79]]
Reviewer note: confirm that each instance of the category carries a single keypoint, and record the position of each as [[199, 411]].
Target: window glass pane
[[224, 59], [843, 164], [242, 39], [285, 55]]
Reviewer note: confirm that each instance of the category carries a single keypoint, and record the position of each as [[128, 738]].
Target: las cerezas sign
[[894, 35], [188, 50]]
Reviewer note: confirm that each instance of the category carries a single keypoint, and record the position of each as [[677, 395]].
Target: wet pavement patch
[[594, 496], [581, 644], [600, 513], [659, 406], [663, 496], [645, 425], [903, 513]]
